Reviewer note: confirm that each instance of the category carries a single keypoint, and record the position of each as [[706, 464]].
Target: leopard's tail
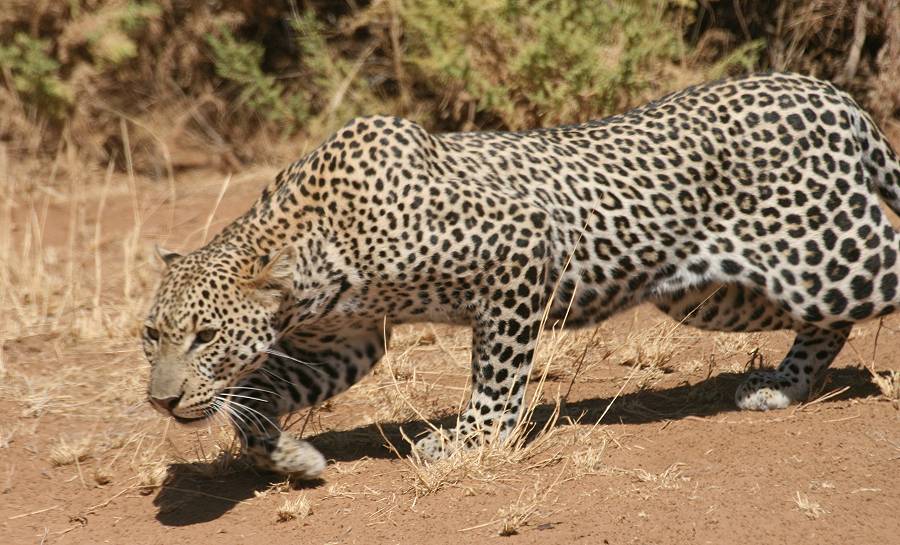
[[880, 161]]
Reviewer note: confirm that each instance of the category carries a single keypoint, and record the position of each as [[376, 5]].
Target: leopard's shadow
[[189, 495], [714, 395], [198, 492]]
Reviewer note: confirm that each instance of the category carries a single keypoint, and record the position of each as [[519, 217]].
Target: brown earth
[[647, 447]]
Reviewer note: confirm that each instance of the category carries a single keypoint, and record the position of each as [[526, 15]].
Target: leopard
[[741, 205]]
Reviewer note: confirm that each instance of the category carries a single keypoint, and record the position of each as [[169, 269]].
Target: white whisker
[[254, 411], [281, 354], [230, 395], [247, 418], [273, 375], [311, 365], [250, 416], [263, 390], [239, 419], [224, 417]]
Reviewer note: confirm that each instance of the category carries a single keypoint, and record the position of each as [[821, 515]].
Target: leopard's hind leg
[[813, 351], [725, 307], [733, 307]]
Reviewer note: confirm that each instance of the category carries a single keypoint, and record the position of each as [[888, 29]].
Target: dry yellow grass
[[151, 477], [812, 509], [8, 434], [70, 451], [404, 392], [536, 444], [88, 288], [297, 508], [78, 277], [527, 505], [888, 382], [670, 478], [648, 347], [590, 460]]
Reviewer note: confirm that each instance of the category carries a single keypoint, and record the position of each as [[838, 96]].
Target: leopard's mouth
[[191, 420], [208, 412]]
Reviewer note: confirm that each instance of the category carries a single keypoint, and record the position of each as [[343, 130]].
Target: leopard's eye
[[204, 336], [152, 333]]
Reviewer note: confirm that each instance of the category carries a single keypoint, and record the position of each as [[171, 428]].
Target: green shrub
[[241, 62], [34, 75], [744, 59], [232, 70], [335, 86], [541, 62], [110, 32], [329, 92]]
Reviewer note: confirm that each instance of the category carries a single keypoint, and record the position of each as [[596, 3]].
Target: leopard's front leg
[[503, 343], [300, 371]]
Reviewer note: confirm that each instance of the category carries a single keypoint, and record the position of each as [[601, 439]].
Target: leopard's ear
[[275, 271], [168, 257]]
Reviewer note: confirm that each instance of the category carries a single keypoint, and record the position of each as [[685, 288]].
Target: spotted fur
[[741, 205]]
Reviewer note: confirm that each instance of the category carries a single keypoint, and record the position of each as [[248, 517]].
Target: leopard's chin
[[195, 421]]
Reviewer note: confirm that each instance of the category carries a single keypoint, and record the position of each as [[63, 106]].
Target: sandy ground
[[646, 446]]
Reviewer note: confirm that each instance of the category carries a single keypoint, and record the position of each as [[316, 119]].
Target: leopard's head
[[214, 315]]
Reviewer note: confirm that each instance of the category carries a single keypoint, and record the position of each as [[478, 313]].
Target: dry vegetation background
[[224, 82], [125, 123]]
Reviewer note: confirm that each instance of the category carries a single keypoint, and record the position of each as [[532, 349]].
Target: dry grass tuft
[[650, 351], [888, 383], [399, 389], [7, 435], [210, 461], [590, 460], [404, 393], [669, 479], [67, 452], [35, 395], [517, 514], [572, 352], [808, 507], [103, 476], [294, 509], [728, 344], [488, 462], [648, 347], [151, 476], [733, 349]]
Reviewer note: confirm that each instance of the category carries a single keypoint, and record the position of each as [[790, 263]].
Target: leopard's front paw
[[442, 443], [289, 455], [437, 444]]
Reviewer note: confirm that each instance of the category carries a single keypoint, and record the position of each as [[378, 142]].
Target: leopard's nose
[[165, 405]]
